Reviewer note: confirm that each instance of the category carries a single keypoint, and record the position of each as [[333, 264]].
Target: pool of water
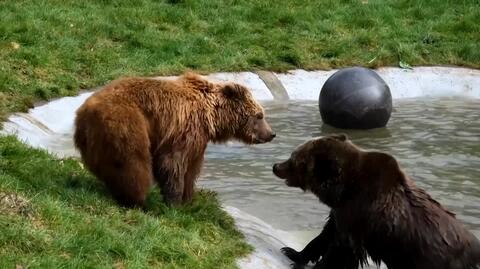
[[436, 141]]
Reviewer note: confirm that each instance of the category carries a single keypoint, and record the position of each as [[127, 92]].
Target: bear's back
[[168, 107], [425, 235]]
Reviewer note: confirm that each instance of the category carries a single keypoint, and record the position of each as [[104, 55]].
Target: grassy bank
[[52, 48], [53, 214]]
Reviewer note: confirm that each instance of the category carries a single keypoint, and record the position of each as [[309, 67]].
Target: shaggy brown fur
[[376, 211], [137, 130]]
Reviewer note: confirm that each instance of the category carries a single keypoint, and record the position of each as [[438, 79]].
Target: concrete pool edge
[[299, 84], [44, 124]]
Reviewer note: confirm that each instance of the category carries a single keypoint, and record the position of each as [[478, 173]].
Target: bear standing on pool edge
[[136, 131], [376, 211]]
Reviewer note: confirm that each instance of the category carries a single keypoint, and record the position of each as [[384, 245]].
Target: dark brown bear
[[376, 211], [136, 131]]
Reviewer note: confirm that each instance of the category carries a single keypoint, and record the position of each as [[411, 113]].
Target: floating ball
[[355, 98]]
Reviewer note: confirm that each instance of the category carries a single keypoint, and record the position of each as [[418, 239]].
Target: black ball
[[355, 98]]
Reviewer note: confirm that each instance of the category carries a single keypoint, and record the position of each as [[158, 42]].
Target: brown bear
[[376, 211], [137, 131]]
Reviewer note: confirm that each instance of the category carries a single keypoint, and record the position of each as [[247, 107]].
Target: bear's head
[[335, 169], [240, 116]]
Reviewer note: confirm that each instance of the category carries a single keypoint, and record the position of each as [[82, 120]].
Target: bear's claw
[[293, 255], [297, 266]]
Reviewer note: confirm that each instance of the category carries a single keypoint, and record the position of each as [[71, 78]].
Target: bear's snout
[[279, 170], [275, 169], [263, 132], [284, 171], [265, 137]]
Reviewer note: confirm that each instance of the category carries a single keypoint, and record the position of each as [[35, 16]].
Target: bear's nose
[[275, 167], [273, 135]]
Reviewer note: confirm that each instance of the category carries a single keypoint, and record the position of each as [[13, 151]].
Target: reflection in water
[[437, 142]]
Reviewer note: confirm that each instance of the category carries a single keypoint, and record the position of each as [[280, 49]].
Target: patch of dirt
[[119, 265], [14, 204]]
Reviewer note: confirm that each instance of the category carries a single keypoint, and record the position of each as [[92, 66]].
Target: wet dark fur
[[376, 211]]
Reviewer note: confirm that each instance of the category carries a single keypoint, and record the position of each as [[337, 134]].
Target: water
[[436, 141]]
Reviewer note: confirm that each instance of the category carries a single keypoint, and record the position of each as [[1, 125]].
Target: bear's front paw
[[297, 266], [293, 255], [174, 202]]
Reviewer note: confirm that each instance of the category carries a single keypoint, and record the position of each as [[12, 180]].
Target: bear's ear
[[233, 91], [340, 136]]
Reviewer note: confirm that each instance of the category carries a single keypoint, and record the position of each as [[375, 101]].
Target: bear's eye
[[259, 116]]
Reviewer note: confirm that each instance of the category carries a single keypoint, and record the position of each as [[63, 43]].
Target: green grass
[[52, 48], [63, 218]]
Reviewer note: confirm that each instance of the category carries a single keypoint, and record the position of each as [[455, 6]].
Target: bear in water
[[376, 211]]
